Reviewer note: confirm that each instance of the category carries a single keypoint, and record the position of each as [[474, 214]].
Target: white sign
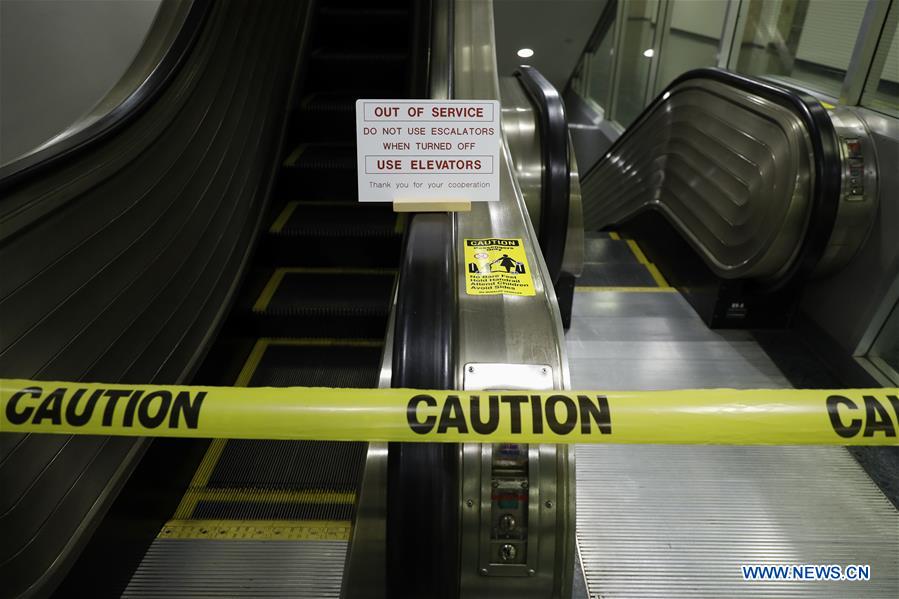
[[418, 150]]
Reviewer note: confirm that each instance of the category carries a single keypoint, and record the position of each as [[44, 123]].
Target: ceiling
[[556, 30]]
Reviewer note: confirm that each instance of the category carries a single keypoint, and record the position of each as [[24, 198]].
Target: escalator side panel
[[730, 170], [118, 265]]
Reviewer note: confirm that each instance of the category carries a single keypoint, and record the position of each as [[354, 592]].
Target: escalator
[[704, 223], [275, 516], [179, 254], [742, 190]]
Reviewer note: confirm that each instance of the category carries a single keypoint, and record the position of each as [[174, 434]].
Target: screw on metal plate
[[471, 369], [543, 371], [549, 505], [483, 571], [531, 572], [469, 502]]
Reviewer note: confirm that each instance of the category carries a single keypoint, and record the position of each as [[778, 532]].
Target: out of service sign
[[497, 267], [417, 150]]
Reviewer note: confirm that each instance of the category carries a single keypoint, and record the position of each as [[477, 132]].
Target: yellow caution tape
[[704, 416]]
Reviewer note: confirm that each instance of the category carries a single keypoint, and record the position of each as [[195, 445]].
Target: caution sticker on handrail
[[497, 267], [705, 416]]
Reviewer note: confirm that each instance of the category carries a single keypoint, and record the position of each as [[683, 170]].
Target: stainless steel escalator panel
[[731, 170], [679, 521], [505, 329]]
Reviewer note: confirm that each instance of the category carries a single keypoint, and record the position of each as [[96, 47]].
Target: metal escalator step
[[273, 510], [359, 58], [337, 219], [311, 363], [329, 292], [364, 13], [238, 568], [332, 294], [322, 156], [607, 250], [671, 522], [614, 274], [261, 530], [287, 465], [335, 234]]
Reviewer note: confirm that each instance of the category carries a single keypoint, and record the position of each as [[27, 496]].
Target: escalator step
[[309, 363], [349, 70], [616, 275], [343, 58], [333, 219], [608, 250], [368, 28], [323, 293], [288, 465], [337, 303], [335, 234], [322, 156]]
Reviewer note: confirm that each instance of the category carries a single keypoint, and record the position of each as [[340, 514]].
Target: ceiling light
[[525, 53], [649, 52]]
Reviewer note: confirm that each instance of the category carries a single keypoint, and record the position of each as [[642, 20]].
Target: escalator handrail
[[556, 175], [422, 479], [52, 156], [826, 186]]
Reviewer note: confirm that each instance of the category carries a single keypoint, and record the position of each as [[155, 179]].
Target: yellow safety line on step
[[637, 252], [213, 453], [258, 530], [656, 275], [274, 496], [642, 259], [268, 292], [201, 477], [619, 289], [614, 235], [295, 155], [282, 219]]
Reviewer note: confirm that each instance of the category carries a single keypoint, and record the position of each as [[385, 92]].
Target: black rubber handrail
[[423, 478], [556, 175], [29, 166], [826, 161]]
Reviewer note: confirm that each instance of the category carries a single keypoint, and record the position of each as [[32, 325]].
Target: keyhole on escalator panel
[[508, 552], [507, 523]]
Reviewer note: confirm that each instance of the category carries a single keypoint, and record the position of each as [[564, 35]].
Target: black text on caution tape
[[559, 413], [77, 407]]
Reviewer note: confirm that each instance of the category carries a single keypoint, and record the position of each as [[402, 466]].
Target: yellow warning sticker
[[497, 267]]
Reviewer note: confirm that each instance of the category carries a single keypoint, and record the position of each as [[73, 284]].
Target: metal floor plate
[[669, 522], [234, 568], [664, 521]]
